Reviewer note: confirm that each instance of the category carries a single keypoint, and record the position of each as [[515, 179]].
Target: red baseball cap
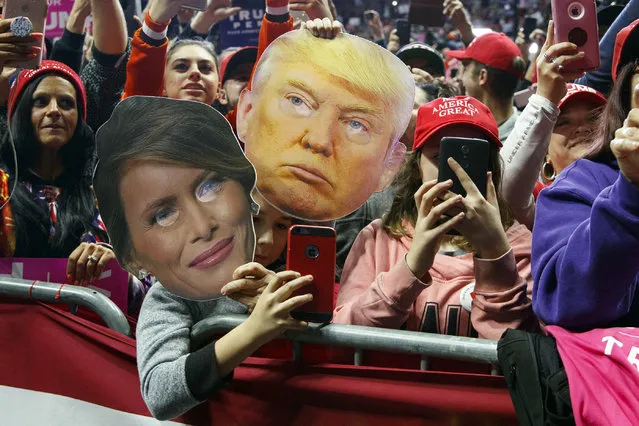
[[583, 93], [626, 48], [494, 50], [241, 56], [442, 112]]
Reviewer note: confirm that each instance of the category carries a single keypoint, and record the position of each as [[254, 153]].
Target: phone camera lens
[[465, 149], [312, 252], [578, 36]]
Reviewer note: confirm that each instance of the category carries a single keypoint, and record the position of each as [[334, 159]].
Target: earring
[[548, 171], [255, 208], [142, 274]]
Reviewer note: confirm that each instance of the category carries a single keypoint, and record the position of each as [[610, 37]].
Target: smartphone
[[472, 154], [403, 31], [522, 97], [576, 22], [36, 11], [311, 251], [195, 4], [530, 24]]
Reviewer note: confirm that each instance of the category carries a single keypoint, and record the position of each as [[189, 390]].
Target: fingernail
[[298, 274], [69, 279], [36, 49]]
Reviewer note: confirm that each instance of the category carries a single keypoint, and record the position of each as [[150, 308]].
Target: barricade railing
[[365, 338], [67, 294]]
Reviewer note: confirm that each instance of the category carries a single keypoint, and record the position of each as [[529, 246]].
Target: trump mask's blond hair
[[358, 64]]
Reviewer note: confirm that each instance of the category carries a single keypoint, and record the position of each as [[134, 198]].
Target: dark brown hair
[[408, 181], [614, 113], [170, 131], [502, 84]]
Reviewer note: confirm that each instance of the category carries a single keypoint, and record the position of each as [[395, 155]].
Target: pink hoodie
[[602, 366], [379, 290]]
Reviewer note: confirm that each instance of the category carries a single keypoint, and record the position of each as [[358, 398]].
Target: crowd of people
[[148, 146]]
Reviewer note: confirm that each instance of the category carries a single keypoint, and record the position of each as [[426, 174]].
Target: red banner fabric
[[54, 352]]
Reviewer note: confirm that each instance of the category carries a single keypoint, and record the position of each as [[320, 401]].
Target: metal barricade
[[72, 295], [365, 338]]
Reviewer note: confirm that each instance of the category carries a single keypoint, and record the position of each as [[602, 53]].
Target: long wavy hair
[[407, 182], [76, 203]]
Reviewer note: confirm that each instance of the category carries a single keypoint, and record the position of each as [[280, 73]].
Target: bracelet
[[277, 10], [277, 7], [155, 26]]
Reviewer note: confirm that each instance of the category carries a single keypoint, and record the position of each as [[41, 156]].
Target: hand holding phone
[[311, 250], [482, 225], [26, 52], [575, 21]]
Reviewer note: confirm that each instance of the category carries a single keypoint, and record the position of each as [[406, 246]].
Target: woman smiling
[[175, 192]]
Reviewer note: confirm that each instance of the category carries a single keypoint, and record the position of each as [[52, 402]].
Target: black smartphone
[[474, 157], [530, 24], [403, 31]]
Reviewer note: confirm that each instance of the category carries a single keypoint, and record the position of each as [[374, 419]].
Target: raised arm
[[109, 27], [145, 70], [525, 149], [104, 75], [69, 48]]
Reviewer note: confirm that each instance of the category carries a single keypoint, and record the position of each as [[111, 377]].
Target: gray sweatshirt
[[174, 378]]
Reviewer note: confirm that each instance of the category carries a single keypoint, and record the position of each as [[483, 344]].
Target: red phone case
[[576, 22], [311, 251]]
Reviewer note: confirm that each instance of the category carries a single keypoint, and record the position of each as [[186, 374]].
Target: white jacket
[[523, 154]]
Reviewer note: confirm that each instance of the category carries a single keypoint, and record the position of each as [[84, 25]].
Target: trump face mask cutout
[[322, 122]]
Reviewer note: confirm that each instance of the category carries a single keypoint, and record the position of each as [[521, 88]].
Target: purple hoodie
[[585, 249]]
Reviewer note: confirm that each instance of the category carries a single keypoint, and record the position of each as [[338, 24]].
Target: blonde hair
[[358, 64]]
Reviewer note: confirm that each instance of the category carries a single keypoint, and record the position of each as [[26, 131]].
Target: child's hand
[[271, 315], [249, 282], [323, 28]]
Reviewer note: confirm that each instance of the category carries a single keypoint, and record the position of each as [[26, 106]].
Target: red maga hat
[[443, 112]]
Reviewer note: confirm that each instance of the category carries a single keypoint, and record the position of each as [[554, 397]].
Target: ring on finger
[[560, 68], [550, 59], [92, 259]]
